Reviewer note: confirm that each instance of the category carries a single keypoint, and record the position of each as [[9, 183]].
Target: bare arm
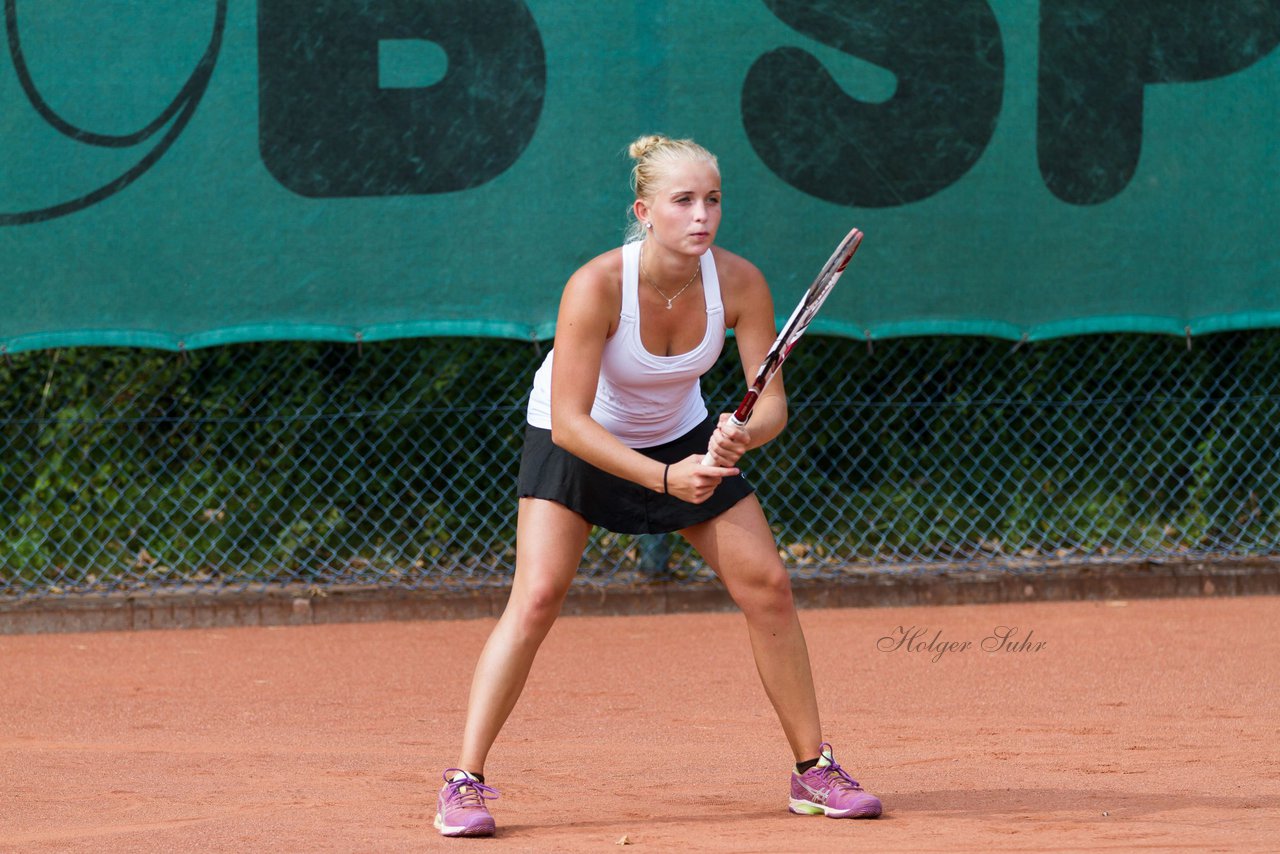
[[588, 311]]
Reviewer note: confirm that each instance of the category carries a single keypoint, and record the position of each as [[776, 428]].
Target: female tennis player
[[617, 429]]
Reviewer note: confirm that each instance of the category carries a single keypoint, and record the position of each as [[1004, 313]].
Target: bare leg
[[550, 540], [740, 548]]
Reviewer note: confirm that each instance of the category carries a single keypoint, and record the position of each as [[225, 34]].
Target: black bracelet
[[664, 479]]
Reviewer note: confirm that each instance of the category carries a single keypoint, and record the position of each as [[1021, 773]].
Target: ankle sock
[[801, 767]]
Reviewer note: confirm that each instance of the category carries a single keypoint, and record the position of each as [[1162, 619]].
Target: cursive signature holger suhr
[[920, 639]]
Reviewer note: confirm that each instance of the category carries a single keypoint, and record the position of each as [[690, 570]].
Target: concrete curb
[[297, 607]]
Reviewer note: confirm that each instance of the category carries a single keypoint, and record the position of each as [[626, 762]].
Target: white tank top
[[643, 399]]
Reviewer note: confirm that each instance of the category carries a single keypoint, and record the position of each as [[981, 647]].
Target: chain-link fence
[[326, 465]]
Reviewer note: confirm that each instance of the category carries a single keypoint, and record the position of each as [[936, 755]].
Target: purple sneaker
[[461, 810], [826, 789]]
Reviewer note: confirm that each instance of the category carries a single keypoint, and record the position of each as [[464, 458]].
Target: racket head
[[821, 288], [803, 314]]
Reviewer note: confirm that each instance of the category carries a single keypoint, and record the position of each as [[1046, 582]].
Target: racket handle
[[707, 459]]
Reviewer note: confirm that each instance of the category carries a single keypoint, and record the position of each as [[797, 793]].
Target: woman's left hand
[[728, 442]]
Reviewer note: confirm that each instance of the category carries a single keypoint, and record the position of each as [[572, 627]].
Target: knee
[[767, 594], [535, 609]]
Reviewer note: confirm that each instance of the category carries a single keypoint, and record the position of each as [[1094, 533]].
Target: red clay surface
[[1141, 725]]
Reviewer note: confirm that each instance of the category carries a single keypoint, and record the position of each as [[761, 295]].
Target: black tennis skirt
[[550, 472]]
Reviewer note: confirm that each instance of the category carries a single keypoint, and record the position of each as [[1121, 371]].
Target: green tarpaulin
[[181, 175]]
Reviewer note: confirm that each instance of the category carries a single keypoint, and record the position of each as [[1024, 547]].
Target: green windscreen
[[179, 175]]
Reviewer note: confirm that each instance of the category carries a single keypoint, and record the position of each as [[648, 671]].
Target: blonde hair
[[654, 155]]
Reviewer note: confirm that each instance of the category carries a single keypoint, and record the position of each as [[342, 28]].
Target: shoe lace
[[837, 777], [466, 792]]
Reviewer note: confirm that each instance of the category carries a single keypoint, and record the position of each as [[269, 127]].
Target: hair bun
[[644, 145]]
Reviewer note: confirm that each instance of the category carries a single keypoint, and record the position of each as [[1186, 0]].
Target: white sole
[[801, 807]]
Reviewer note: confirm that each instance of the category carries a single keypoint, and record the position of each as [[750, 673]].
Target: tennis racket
[[795, 327]]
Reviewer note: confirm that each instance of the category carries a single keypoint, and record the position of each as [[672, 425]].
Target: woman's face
[[685, 208]]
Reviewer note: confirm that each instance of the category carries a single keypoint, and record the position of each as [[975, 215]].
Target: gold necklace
[[652, 284]]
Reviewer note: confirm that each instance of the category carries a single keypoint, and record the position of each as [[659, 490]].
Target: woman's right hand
[[690, 480]]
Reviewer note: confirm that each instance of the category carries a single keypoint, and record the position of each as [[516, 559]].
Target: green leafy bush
[[325, 463]]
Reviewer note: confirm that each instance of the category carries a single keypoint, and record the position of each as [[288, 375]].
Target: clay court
[[1146, 724]]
